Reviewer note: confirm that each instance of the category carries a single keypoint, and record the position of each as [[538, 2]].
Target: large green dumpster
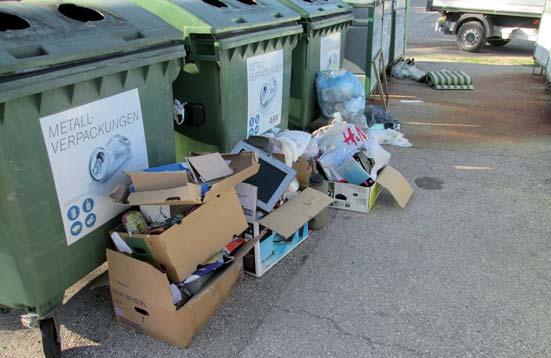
[[399, 30], [543, 43], [238, 78], [85, 93], [387, 31], [321, 47], [364, 40]]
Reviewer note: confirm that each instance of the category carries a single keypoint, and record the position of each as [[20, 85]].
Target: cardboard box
[[175, 188], [142, 298], [182, 247], [272, 248], [362, 199], [288, 228]]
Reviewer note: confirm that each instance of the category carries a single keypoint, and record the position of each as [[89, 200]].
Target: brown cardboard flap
[[189, 194], [210, 167], [244, 165], [201, 234], [148, 284], [144, 181], [296, 212], [396, 184]]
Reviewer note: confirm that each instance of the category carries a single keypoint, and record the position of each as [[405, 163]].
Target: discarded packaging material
[[181, 248], [292, 215], [174, 188], [271, 249], [362, 199], [341, 92], [143, 299]]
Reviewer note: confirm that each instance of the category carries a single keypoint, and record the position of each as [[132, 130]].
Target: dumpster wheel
[[51, 343]]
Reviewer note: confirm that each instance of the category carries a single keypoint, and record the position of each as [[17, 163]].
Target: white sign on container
[[265, 92], [88, 147], [330, 52]]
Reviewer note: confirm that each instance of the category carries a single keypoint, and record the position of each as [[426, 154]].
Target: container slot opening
[[239, 20], [12, 22], [277, 15], [133, 36], [248, 2], [79, 13], [27, 52], [216, 3]]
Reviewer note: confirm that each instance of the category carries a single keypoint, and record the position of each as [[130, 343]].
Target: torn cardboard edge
[[173, 188], [296, 212]]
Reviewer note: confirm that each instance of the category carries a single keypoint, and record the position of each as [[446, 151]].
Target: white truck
[[475, 22]]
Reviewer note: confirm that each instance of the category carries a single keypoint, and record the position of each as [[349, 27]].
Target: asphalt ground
[[462, 271]]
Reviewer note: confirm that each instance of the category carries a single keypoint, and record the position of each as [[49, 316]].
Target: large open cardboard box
[[142, 298], [206, 230]]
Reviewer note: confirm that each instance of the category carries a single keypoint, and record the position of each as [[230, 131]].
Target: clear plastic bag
[[341, 92]]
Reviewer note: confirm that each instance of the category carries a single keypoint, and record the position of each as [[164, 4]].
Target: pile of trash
[[192, 228], [341, 97]]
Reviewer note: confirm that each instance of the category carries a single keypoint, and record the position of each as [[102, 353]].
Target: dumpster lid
[[220, 16], [363, 3], [40, 34], [310, 9]]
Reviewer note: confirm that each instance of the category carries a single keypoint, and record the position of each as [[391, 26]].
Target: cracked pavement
[[463, 271]]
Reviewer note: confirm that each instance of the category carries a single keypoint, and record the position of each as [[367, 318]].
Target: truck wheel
[[471, 36], [51, 344], [498, 42]]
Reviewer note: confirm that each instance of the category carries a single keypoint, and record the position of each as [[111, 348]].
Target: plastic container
[[238, 79], [366, 36], [399, 30], [320, 48], [85, 92]]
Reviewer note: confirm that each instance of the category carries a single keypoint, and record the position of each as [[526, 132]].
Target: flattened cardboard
[[209, 167], [205, 231], [143, 301], [287, 219], [396, 184]]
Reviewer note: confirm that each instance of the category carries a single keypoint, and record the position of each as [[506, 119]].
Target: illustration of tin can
[[106, 161], [268, 92]]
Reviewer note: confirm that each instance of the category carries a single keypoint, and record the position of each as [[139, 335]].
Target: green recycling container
[[85, 93], [399, 30], [320, 48], [543, 43], [237, 79], [388, 8], [364, 41]]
